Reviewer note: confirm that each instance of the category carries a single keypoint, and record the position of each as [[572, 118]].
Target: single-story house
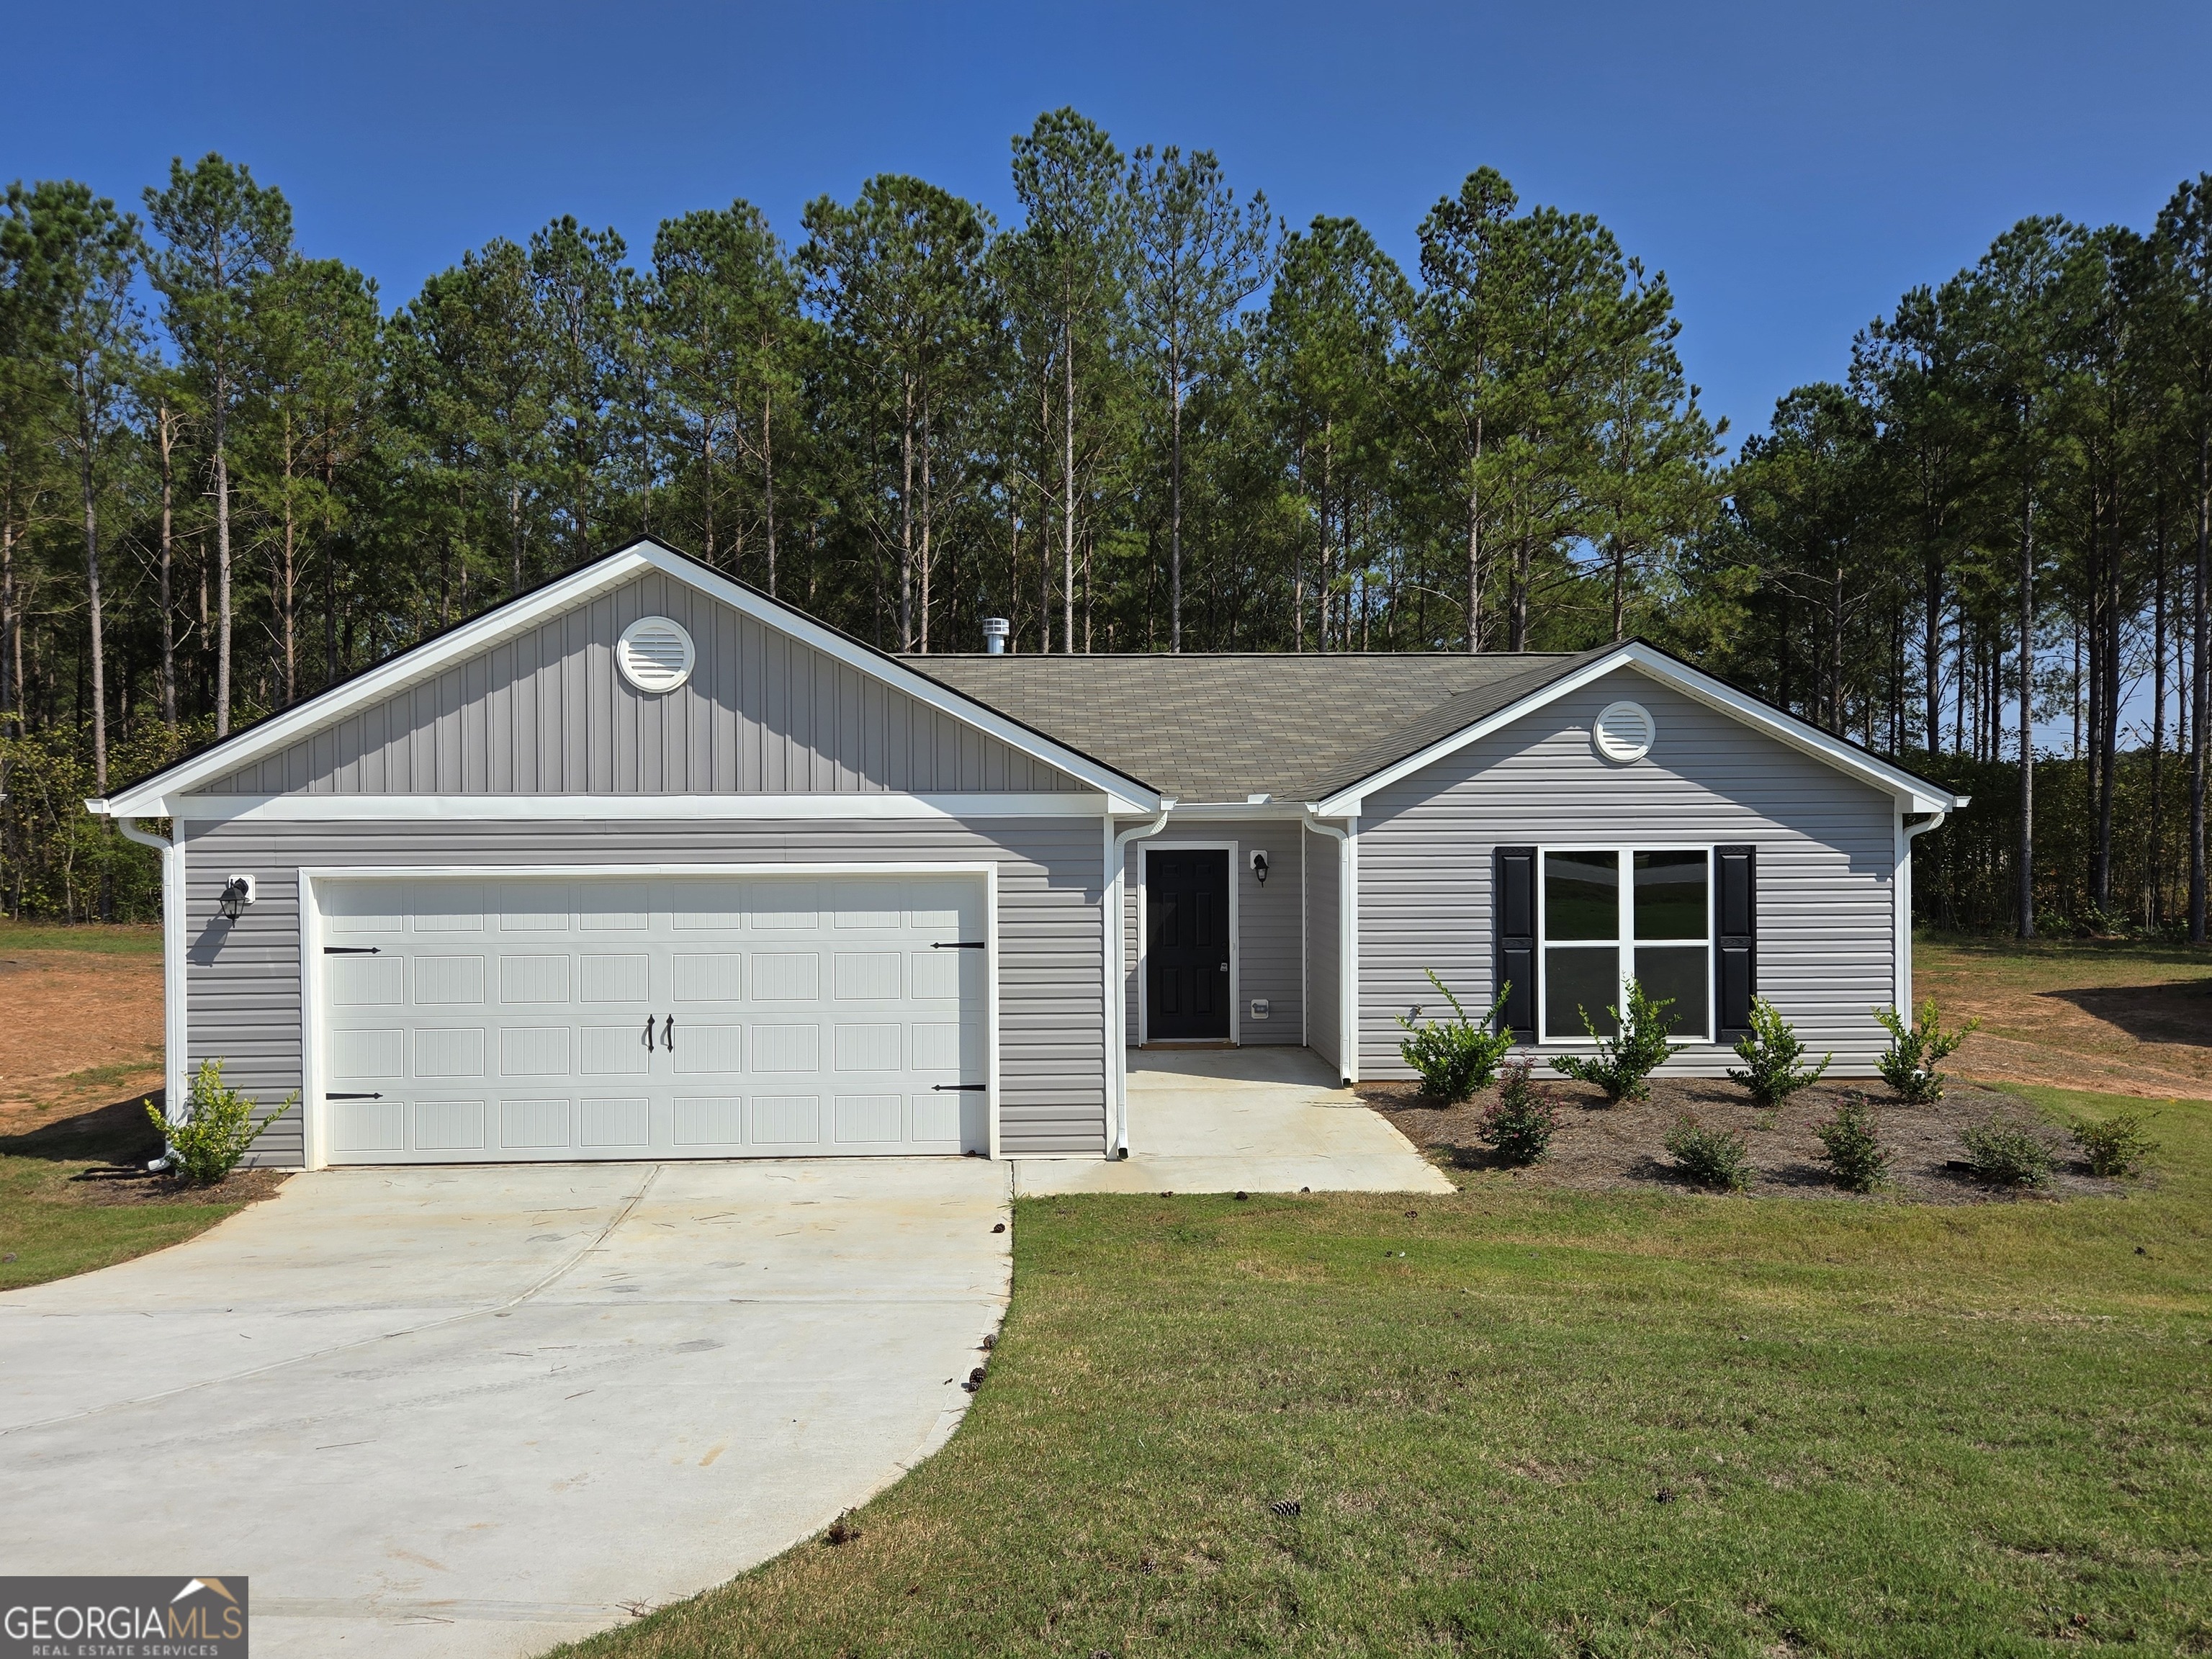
[[644, 864]]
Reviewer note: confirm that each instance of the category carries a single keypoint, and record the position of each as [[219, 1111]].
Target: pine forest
[[1149, 416]]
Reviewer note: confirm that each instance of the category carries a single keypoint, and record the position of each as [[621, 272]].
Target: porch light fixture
[[237, 894], [1260, 868]]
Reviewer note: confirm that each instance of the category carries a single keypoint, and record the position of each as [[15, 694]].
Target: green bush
[[1909, 1064], [1622, 1062], [1456, 1057], [1518, 1126], [1770, 1056], [1852, 1147], [2007, 1155], [2115, 1147], [206, 1144], [1711, 1157]]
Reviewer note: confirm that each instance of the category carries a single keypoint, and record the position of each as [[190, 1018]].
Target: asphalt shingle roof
[[1208, 727]]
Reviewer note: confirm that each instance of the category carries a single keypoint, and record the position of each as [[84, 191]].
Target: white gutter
[[1117, 1012], [1907, 833], [1348, 939], [173, 961]]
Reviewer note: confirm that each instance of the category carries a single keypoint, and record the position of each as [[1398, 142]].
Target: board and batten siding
[[547, 713], [1324, 989], [1826, 862], [1267, 924], [244, 979]]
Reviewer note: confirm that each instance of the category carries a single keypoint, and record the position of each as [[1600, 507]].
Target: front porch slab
[[1256, 1120]]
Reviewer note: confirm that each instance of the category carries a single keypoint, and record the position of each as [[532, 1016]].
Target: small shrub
[[1854, 1150], [1456, 1057], [1909, 1064], [1770, 1056], [1711, 1157], [206, 1144], [2009, 1156], [2117, 1146], [1518, 1126], [1622, 1062]]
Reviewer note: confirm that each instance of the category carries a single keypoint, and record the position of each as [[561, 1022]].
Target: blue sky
[[1792, 167]]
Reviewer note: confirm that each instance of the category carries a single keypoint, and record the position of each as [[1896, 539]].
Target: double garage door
[[693, 1016]]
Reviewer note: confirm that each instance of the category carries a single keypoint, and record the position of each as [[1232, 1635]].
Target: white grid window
[[1608, 915]]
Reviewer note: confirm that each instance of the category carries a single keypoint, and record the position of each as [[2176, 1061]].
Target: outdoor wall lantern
[[1260, 868], [237, 894]]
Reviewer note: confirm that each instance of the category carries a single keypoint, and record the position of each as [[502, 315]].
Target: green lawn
[[1540, 1423], [49, 1228], [102, 939]]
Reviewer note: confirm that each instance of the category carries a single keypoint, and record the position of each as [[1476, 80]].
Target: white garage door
[[694, 1016]]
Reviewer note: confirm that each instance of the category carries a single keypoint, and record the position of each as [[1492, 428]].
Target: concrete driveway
[[1255, 1120], [475, 1411]]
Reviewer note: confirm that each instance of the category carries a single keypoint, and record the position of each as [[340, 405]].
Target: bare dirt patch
[[76, 1030], [1601, 1148], [2116, 1016]]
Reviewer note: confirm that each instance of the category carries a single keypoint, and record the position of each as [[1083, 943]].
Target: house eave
[[1911, 794], [518, 616]]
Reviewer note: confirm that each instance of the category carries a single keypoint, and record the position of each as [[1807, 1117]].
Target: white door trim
[[314, 1110], [1143, 936]]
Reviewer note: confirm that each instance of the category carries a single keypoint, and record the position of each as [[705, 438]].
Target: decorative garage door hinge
[[962, 945], [352, 951], [961, 1088], [329, 1096]]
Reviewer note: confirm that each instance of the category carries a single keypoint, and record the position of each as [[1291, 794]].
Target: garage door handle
[[668, 1034], [329, 1096], [962, 945], [649, 1031], [961, 1088]]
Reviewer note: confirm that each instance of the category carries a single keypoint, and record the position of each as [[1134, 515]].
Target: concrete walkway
[[1257, 1119], [476, 1412]]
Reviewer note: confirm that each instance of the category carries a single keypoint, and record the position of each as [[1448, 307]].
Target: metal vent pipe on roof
[[996, 631]]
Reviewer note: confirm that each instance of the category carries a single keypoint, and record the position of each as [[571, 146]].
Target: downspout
[[1907, 834], [1348, 977], [1117, 997], [173, 966]]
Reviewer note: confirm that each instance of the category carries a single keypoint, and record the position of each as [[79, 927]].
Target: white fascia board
[[572, 809], [1907, 790], [1202, 811], [505, 622]]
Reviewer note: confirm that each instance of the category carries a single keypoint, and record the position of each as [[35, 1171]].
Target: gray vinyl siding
[[244, 981], [1826, 862], [546, 713], [1267, 925], [1325, 1003]]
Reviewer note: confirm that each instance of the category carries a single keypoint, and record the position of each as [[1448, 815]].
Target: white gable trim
[[1910, 793], [505, 622]]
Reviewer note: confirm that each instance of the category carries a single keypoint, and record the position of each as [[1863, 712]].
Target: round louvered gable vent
[[654, 654], [1623, 731]]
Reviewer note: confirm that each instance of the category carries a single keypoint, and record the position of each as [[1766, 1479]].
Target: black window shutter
[[1515, 931], [1736, 937]]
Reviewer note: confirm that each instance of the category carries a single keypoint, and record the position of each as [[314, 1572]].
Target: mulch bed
[[113, 1144], [1601, 1148]]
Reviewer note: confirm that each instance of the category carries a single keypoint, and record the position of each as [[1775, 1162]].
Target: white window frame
[[1624, 942]]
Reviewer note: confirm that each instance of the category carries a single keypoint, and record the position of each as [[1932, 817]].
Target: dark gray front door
[[1187, 946]]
